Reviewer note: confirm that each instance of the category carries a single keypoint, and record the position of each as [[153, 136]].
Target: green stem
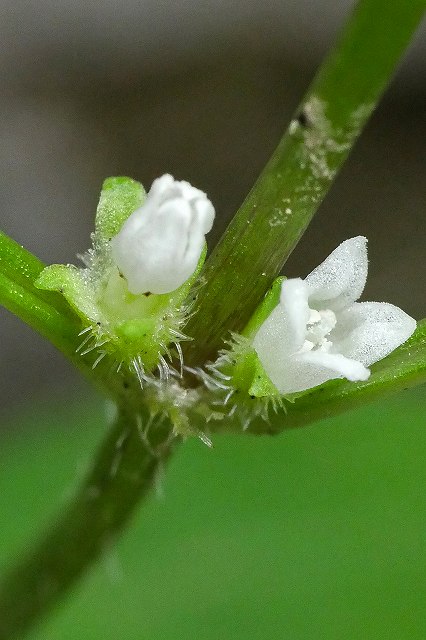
[[24, 302], [22, 268], [45, 311], [289, 191], [123, 473], [50, 315]]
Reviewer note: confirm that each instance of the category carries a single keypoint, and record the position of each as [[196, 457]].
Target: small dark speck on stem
[[303, 119]]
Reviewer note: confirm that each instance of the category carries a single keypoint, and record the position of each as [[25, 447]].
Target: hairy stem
[[289, 191], [122, 474]]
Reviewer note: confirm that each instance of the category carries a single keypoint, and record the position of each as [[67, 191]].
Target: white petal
[[369, 331], [337, 365], [204, 214], [284, 329], [149, 252], [274, 342], [161, 185], [159, 245], [189, 192], [283, 332], [294, 303], [340, 279], [310, 369]]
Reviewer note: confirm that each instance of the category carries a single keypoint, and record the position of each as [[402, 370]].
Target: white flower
[[318, 332], [160, 244]]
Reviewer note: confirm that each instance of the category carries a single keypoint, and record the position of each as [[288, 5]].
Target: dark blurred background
[[203, 91]]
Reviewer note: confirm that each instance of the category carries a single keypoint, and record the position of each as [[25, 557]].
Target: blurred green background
[[318, 533]]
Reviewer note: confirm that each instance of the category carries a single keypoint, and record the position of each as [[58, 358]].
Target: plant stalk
[[123, 473]]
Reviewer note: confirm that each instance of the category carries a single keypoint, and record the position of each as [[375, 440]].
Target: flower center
[[318, 327]]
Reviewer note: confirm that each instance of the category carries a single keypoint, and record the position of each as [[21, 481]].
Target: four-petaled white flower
[[318, 332], [160, 244]]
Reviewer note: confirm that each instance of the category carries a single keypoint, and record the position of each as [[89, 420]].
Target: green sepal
[[120, 197], [148, 333], [264, 310], [261, 385], [71, 282], [139, 337], [247, 373]]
